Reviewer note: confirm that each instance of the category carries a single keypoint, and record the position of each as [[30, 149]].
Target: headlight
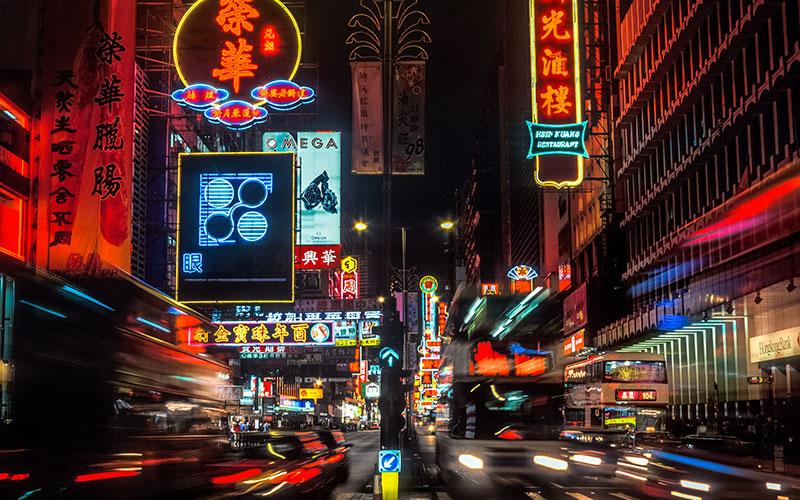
[[470, 461], [693, 485], [430, 428], [586, 459], [550, 462], [640, 461], [774, 486]]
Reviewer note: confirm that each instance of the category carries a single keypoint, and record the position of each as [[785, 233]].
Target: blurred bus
[[499, 406], [617, 391], [98, 400]]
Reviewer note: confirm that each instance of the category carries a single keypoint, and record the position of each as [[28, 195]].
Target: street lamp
[[360, 226], [447, 225]]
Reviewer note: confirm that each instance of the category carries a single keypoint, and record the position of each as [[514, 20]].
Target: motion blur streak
[[695, 485], [685, 495], [236, 477], [550, 462], [696, 462], [632, 476], [586, 459], [106, 475]]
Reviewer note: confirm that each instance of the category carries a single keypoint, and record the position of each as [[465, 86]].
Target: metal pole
[[388, 86]]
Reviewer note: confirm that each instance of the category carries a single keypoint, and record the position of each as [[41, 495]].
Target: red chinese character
[[234, 14], [236, 63], [554, 63], [555, 100], [552, 26]]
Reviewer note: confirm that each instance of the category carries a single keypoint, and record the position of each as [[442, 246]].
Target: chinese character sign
[[291, 333], [408, 128], [84, 138], [317, 256], [235, 56], [367, 117], [557, 130]]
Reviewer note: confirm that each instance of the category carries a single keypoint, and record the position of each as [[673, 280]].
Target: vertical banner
[[557, 130], [319, 156], [408, 127], [367, 118], [86, 137]]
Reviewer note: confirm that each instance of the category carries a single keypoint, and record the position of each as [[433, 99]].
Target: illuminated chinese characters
[[556, 128], [227, 52], [263, 333]]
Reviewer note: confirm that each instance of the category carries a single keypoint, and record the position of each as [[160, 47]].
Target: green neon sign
[[547, 139]]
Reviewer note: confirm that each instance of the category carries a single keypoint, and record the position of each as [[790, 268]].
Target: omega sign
[[781, 344]]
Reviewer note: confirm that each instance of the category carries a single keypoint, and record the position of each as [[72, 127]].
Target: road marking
[[578, 496], [623, 496], [535, 495]]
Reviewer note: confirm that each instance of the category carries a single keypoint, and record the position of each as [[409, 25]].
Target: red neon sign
[[555, 88], [269, 41]]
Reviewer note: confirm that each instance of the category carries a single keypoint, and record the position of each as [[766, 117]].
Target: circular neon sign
[[428, 284]]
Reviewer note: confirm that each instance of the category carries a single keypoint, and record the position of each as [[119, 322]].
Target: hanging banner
[[557, 130], [85, 138], [408, 127], [367, 118]]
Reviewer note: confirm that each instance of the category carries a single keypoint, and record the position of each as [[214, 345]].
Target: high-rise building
[[708, 168]]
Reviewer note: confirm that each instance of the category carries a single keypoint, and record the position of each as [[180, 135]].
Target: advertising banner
[[320, 161], [345, 332], [366, 332], [84, 137], [367, 117], [263, 333], [235, 227], [575, 312], [408, 127]]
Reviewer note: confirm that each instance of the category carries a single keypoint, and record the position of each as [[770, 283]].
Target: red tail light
[[14, 477], [335, 458], [239, 476], [106, 475], [302, 475]]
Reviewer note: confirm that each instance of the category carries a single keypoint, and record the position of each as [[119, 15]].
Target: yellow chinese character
[[552, 25], [554, 63], [236, 112], [292, 93], [555, 100], [209, 96], [260, 333], [273, 92], [269, 46], [246, 112], [241, 333], [280, 332], [300, 332], [200, 335], [221, 335], [191, 95]]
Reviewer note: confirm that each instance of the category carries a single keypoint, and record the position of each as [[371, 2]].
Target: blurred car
[[281, 465], [374, 426], [655, 439], [337, 449]]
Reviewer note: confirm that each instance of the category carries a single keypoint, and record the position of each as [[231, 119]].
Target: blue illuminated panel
[[231, 208]]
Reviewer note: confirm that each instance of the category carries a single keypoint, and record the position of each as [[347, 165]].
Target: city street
[[363, 457]]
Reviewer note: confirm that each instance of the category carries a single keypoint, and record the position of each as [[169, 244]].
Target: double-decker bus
[[500, 403], [617, 391]]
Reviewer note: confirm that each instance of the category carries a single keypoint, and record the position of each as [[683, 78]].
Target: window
[[636, 372]]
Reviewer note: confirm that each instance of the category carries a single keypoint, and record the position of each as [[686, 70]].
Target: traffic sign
[[349, 264], [757, 380], [389, 461]]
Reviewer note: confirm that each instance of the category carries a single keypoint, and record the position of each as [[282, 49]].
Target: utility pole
[[388, 89]]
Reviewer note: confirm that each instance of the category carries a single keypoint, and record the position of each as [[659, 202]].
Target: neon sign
[[522, 273], [557, 127], [428, 284], [219, 205], [234, 56], [263, 333]]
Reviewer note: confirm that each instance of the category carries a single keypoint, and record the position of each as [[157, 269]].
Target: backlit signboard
[[291, 404], [366, 332], [234, 57], [574, 343], [490, 289], [319, 158], [557, 130], [318, 256], [428, 284], [235, 227], [310, 393], [262, 334]]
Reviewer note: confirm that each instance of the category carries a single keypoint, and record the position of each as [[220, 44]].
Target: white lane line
[[623, 496], [578, 496], [535, 496]]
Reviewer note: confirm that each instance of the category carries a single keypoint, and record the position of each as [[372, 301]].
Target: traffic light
[[392, 401]]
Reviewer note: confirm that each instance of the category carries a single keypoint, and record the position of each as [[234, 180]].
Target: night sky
[[464, 44]]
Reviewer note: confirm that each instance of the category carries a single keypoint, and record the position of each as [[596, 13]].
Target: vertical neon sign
[[557, 130]]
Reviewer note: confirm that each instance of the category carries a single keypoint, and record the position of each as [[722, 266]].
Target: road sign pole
[[390, 485]]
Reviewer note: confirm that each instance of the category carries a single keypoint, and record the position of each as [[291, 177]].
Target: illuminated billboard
[[557, 130], [236, 56], [235, 227], [319, 158], [263, 333]]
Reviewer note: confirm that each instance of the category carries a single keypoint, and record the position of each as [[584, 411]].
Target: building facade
[[707, 163]]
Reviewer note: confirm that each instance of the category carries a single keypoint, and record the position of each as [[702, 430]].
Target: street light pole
[[388, 88]]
